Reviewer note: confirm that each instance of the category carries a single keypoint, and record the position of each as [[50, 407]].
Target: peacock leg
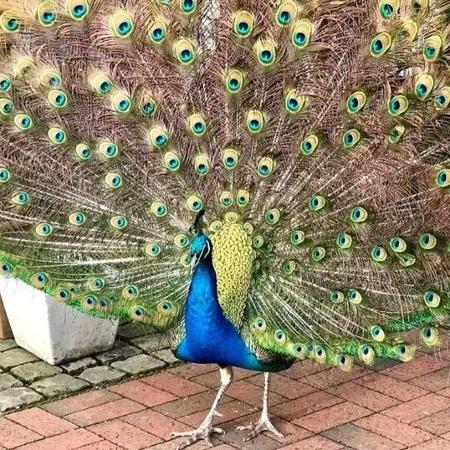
[[205, 430], [264, 423]]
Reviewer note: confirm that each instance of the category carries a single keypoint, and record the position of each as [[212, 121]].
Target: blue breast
[[210, 336]]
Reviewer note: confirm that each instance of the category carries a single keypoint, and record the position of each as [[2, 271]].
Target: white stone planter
[[52, 330]]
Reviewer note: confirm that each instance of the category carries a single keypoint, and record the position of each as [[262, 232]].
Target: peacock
[[267, 180]]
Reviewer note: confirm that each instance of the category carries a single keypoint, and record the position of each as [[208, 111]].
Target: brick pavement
[[390, 406]]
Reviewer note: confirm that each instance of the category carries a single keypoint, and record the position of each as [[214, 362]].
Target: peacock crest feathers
[[313, 134]]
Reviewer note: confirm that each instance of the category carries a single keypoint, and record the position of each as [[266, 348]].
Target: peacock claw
[[264, 424], [204, 431]]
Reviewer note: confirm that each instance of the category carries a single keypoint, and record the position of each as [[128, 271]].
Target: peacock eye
[[6, 106], [442, 98], [366, 354], [288, 267], [23, 121], [398, 105], [157, 31], [158, 136], [77, 9], [377, 333], [443, 178], [158, 209], [185, 50], [130, 292], [248, 227], [122, 24], [9, 23], [255, 121], [230, 158], [272, 216], [309, 145], [344, 241], [430, 336], [234, 80], [266, 51], [351, 138], [297, 237], [5, 268], [243, 23], [97, 284], [259, 325], [358, 215], [424, 85], [181, 240], [119, 222], [201, 164], [388, 8], [318, 254], [336, 297], [20, 198], [121, 102], [172, 161], [398, 244], [354, 296], [280, 337], [5, 175], [152, 249], [320, 355], [57, 135], [196, 125], [226, 199], [301, 33], [396, 134], [89, 301], [286, 12], [63, 295], [356, 102], [194, 203], [83, 152], [166, 307], [39, 280], [148, 107], [5, 82], [427, 241], [432, 48], [188, 6], [380, 44], [77, 218], [378, 254], [43, 229], [316, 203], [258, 241], [108, 149], [113, 180], [215, 226], [101, 84], [432, 299], [242, 198], [294, 102], [46, 14], [265, 167]]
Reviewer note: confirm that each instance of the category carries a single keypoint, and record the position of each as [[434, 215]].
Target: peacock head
[[200, 245]]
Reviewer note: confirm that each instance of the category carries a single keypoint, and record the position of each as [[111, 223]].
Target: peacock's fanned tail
[[321, 128]]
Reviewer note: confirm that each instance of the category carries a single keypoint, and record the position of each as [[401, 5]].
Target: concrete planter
[[5, 329], [51, 330]]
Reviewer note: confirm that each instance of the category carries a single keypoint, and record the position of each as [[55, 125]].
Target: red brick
[[12, 435], [212, 379], [415, 368], [331, 417], [305, 405], [303, 369], [418, 408], [445, 392], [41, 422], [285, 386], [190, 405], [434, 381], [174, 384], [363, 396], [359, 439], [333, 377], [143, 393], [434, 444], [394, 430], [438, 423], [249, 393], [155, 423], [314, 443], [191, 370], [102, 445], [391, 386], [173, 444], [67, 441], [125, 435], [229, 411], [80, 402], [107, 411]]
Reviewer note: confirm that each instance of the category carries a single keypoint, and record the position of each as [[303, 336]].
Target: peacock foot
[[204, 431], [264, 424]]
